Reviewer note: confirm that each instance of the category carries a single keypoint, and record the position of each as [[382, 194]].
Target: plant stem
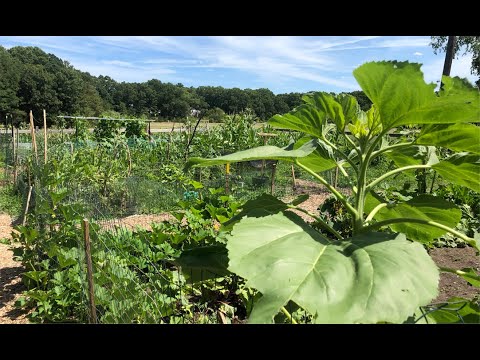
[[288, 315], [374, 212], [460, 273], [458, 234], [393, 172], [344, 173], [339, 196], [352, 164], [360, 197], [391, 147], [433, 181], [362, 188], [353, 144], [318, 219]]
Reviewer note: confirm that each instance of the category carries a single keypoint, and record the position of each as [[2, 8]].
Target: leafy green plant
[[10, 200], [81, 130], [135, 128], [215, 115], [381, 273]]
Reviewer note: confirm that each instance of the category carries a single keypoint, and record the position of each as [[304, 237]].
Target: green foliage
[[461, 169], [403, 80], [471, 44], [107, 129], [81, 130], [135, 128], [340, 277], [10, 201], [469, 203], [215, 115], [337, 216], [457, 137], [455, 310], [262, 152], [136, 279], [134, 276], [362, 100], [346, 282], [428, 208], [10, 75], [35, 80]]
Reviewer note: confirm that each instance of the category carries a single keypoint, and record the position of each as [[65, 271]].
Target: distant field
[[169, 125]]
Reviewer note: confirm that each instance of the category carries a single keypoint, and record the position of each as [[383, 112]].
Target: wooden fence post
[[272, 186], [34, 140], [227, 173], [27, 205], [88, 255], [294, 183], [14, 158], [45, 135]]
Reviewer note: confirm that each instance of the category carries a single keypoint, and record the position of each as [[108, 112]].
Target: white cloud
[[274, 61], [404, 42], [460, 67], [118, 63], [125, 71], [172, 62]]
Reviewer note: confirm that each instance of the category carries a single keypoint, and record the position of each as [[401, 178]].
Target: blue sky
[[279, 63]]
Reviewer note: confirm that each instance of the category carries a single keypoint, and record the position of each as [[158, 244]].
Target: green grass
[[10, 202]]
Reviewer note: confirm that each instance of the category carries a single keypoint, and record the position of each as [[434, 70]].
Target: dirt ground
[[11, 286], [451, 284]]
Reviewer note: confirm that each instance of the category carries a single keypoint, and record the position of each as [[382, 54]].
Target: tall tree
[[471, 44], [9, 83]]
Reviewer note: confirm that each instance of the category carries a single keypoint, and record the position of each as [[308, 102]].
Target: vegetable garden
[[233, 243]]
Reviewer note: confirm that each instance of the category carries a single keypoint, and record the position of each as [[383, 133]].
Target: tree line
[[31, 79]]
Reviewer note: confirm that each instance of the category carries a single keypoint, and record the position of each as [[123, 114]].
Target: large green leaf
[[425, 207], [413, 155], [267, 204], [350, 107], [369, 278], [457, 310], [402, 96], [258, 153], [205, 262], [327, 104], [471, 276], [305, 118], [461, 169], [458, 137], [321, 159]]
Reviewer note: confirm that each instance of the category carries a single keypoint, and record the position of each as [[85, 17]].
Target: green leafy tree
[[37, 92], [471, 44], [262, 102], [216, 115], [292, 100], [89, 102], [9, 83]]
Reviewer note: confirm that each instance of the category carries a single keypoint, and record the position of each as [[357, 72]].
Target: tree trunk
[[450, 53]]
